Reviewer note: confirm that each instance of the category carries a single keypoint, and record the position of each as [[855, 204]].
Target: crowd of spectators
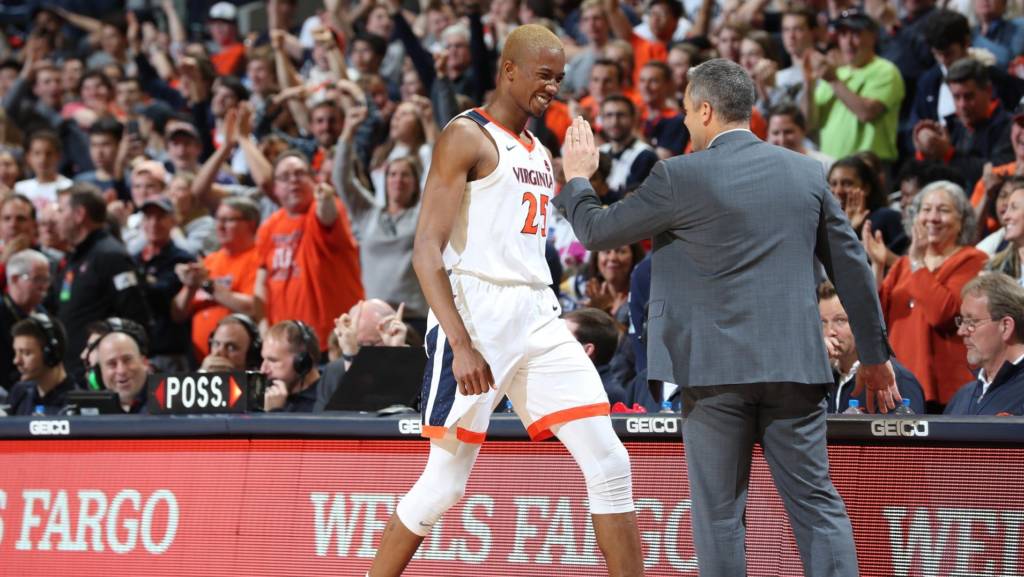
[[182, 191]]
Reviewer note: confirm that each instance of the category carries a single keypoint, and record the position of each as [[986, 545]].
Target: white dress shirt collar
[[986, 382]]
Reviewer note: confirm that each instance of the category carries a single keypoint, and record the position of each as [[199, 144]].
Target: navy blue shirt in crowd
[[25, 397], [906, 382], [160, 284], [668, 132], [1005, 396]]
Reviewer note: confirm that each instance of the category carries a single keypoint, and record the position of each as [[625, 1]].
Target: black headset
[[53, 341], [93, 375], [128, 327], [302, 362], [254, 355]]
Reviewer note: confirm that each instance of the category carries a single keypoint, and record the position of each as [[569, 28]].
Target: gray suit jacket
[[736, 230]]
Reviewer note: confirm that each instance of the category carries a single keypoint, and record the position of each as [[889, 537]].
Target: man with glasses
[[28, 279], [856, 105], [223, 283], [991, 322], [308, 256]]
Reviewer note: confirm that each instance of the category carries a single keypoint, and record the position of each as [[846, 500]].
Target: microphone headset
[[53, 339], [254, 354], [93, 375], [303, 361]]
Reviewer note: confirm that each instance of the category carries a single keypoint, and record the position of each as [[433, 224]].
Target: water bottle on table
[[904, 408], [854, 408]]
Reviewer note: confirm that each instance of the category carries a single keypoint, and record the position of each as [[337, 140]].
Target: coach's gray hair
[[968, 221], [724, 85], [22, 261]]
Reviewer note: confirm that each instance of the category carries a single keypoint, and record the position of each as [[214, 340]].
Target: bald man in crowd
[[370, 323]]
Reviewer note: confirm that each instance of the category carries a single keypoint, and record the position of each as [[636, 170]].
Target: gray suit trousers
[[722, 424]]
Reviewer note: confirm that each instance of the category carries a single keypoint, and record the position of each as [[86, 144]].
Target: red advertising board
[[317, 507]]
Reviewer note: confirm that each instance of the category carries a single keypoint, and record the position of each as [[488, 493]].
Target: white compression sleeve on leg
[[439, 487], [603, 460]]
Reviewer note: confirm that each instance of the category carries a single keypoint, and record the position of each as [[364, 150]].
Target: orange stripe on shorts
[[541, 428]]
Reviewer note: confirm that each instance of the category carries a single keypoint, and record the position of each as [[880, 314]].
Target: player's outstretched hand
[[579, 152], [472, 373], [880, 381]]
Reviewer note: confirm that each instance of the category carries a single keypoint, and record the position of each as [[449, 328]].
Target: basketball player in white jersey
[[494, 326]]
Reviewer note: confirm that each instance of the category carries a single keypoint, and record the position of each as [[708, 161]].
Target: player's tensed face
[[539, 79]]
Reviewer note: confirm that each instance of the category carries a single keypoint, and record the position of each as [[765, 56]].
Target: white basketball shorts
[[534, 358]]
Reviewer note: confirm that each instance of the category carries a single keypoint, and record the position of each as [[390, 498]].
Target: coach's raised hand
[[579, 152]]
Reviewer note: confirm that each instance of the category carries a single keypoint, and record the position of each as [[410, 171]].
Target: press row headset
[[53, 341], [93, 375], [254, 355], [303, 362]]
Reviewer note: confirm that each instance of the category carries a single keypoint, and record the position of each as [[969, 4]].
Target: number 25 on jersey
[[531, 226]]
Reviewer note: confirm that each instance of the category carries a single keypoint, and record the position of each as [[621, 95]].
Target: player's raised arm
[[457, 154]]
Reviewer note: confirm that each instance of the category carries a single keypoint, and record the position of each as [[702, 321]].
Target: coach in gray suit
[[733, 316]]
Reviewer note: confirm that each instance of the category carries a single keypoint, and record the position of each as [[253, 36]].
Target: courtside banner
[[210, 507]]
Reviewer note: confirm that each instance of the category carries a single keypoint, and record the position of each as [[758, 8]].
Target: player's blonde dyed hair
[[525, 40]]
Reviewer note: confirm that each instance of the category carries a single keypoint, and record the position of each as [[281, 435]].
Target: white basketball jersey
[[500, 231]]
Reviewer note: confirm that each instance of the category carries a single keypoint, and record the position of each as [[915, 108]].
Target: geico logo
[[49, 428], [652, 425], [409, 426], [190, 392], [93, 520], [899, 428]]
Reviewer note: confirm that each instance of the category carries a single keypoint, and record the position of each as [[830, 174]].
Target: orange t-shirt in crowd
[[228, 61], [589, 104], [666, 112], [557, 120], [643, 52], [312, 271], [234, 271]]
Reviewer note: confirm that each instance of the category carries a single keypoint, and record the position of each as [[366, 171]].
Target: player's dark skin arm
[[468, 154]]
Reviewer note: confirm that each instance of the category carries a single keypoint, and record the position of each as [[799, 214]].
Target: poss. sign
[[192, 393]]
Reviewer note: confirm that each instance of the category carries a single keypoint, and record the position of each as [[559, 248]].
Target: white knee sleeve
[[604, 462], [440, 487]]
